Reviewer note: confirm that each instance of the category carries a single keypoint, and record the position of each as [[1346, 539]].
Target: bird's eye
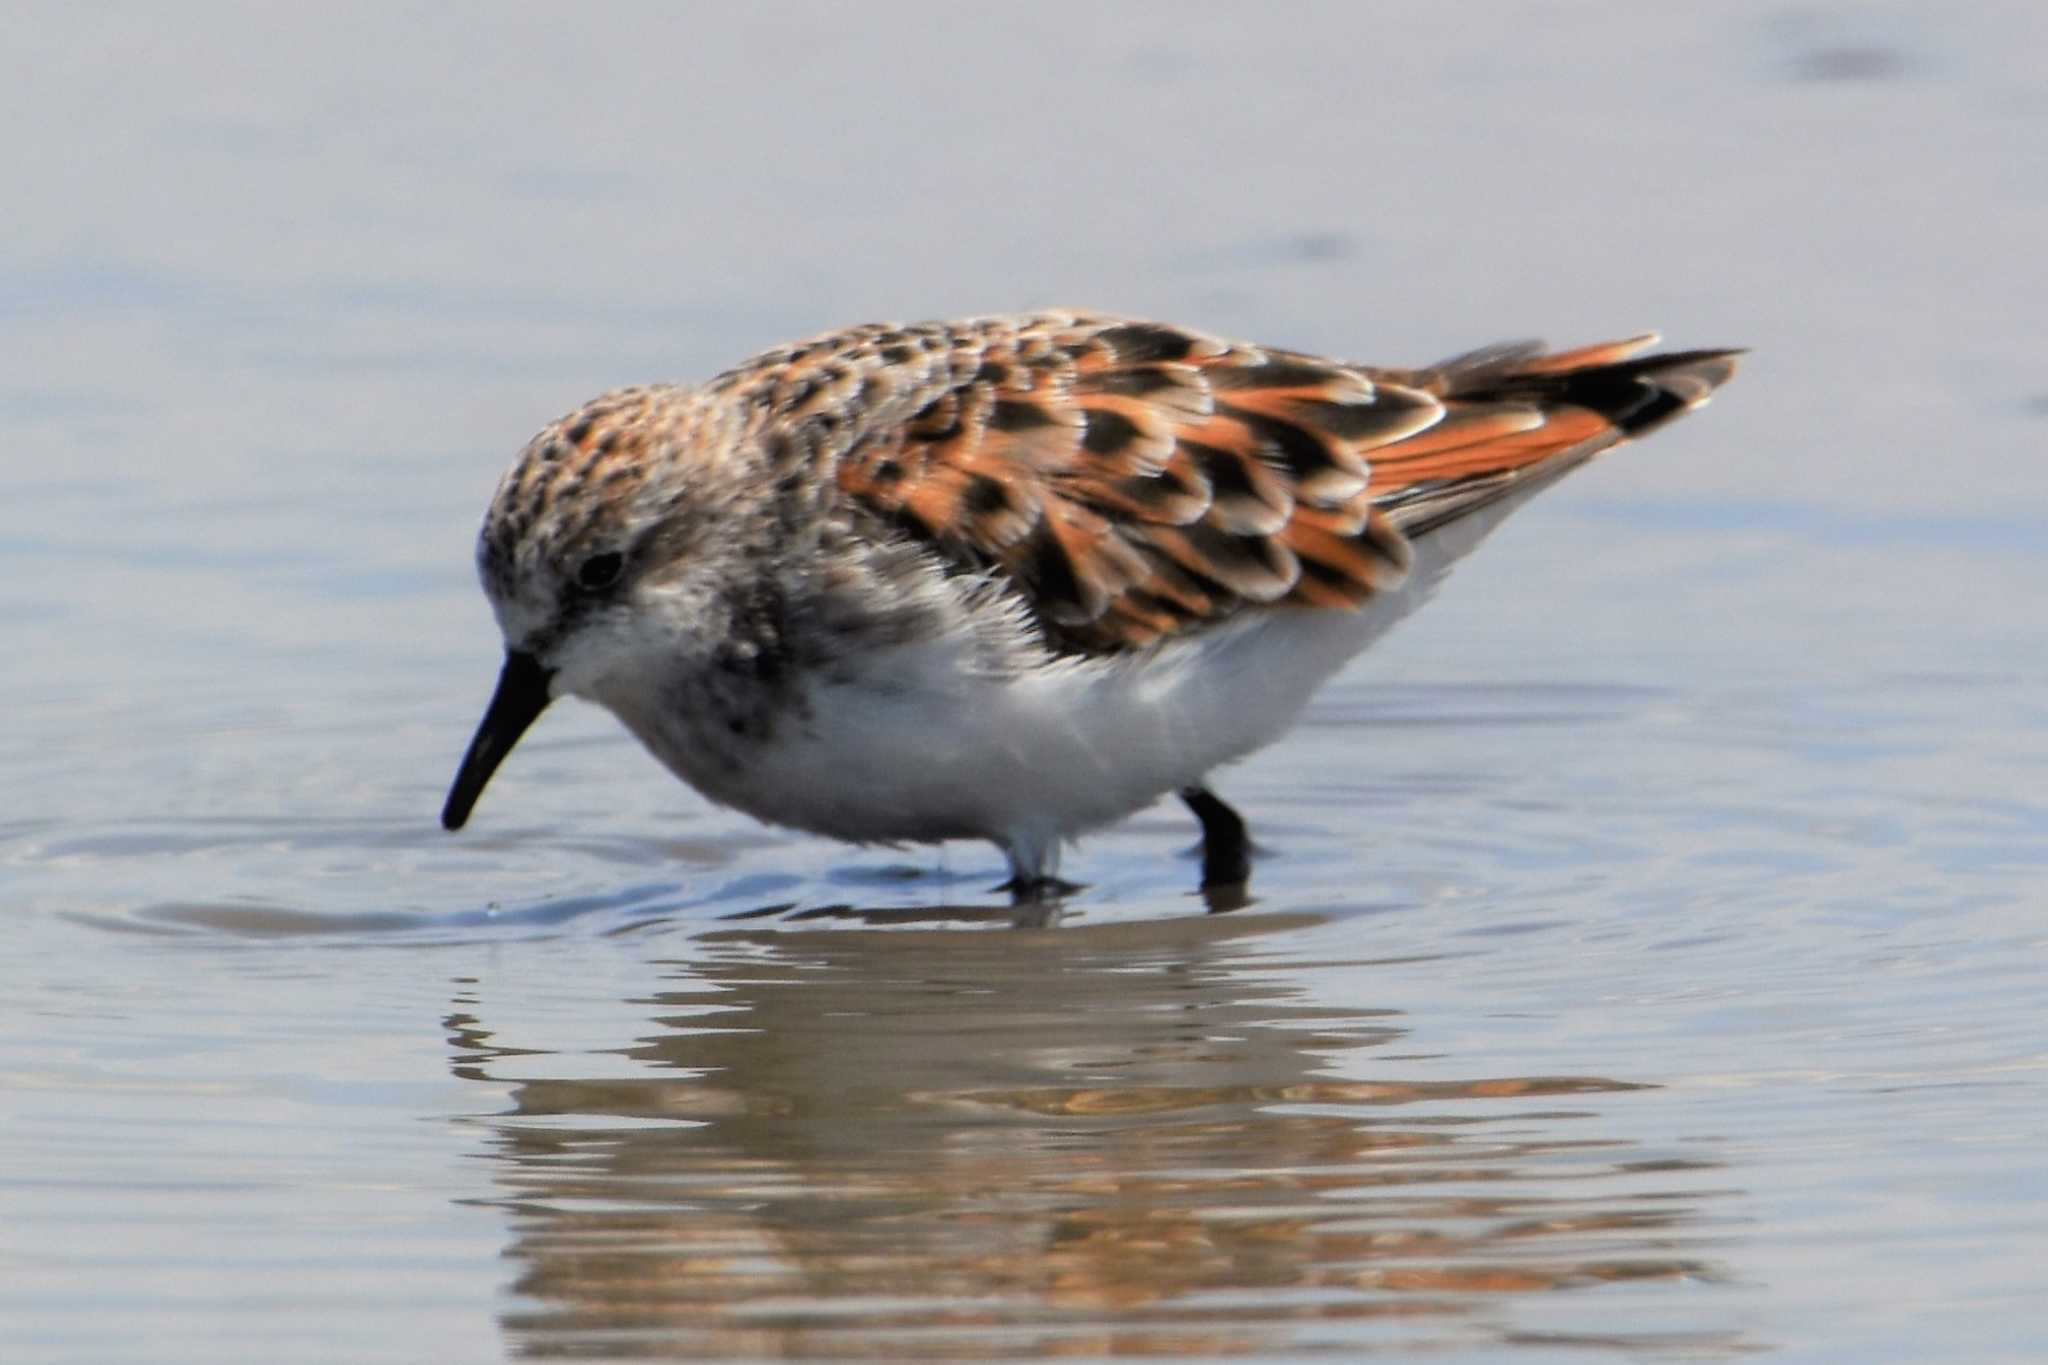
[[600, 571]]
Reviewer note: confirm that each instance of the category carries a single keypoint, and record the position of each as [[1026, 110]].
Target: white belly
[[918, 750]]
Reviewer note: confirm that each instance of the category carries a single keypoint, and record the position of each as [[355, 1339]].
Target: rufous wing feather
[[1140, 481]]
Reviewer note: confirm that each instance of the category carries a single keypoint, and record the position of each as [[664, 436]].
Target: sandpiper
[[1011, 578]]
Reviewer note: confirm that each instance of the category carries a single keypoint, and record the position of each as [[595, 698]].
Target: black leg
[[1226, 852]]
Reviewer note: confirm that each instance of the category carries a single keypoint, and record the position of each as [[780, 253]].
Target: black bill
[[521, 696]]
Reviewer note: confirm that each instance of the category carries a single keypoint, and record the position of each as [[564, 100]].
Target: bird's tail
[[1516, 417]]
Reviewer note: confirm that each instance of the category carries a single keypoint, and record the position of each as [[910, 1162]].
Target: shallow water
[[1646, 956]]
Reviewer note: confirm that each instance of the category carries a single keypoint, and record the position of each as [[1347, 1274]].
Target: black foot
[[1037, 902], [1038, 890], [1226, 852]]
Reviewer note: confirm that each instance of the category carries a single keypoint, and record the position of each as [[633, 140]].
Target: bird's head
[[607, 551]]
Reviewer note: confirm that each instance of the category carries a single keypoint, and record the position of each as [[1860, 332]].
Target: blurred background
[[1708, 795]]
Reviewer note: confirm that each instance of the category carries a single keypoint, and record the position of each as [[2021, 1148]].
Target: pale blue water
[[1648, 959]]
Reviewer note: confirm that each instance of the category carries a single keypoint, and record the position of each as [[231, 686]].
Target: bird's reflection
[[1124, 1140]]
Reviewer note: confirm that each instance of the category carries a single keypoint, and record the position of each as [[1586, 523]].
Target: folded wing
[[1140, 481]]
